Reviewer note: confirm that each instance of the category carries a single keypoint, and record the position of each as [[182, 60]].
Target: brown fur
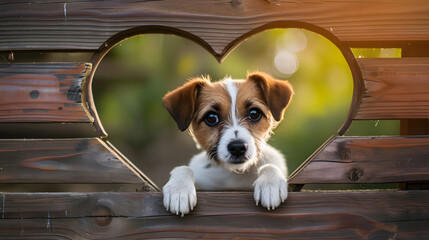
[[247, 98], [180, 103], [277, 94], [213, 94]]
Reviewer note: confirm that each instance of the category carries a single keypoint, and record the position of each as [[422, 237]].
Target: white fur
[[270, 186], [179, 192], [232, 90]]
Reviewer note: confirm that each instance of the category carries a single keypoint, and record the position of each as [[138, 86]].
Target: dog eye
[[211, 119], [255, 114]]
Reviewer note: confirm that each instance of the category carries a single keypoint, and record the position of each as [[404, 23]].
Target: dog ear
[[277, 93], [181, 102]]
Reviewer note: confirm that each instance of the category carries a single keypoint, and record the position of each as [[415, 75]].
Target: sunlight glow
[[286, 62]]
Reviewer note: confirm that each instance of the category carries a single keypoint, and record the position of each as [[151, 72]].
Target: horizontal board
[[43, 92], [394, 88], [341, 215], [85, 160], [367, 160], [86, 25], [47, 130], [74, 187]]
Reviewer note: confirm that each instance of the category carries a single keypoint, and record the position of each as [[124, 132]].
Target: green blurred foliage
[[134, 76]]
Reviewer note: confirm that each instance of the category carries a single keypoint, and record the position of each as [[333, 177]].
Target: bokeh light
[[286, 62]]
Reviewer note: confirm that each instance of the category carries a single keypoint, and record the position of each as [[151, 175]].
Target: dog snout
[[237, 148]]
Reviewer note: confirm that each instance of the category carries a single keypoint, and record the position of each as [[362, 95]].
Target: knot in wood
[[102, 215], [34, 94], [355, 174], [235, 3]]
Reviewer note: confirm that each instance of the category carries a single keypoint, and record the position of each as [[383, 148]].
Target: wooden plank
[[43, 92], [367, 160], [341, 215], [394, 88], [74, 187], [86, 25], [86, 160], [226, 227], [47, 130]]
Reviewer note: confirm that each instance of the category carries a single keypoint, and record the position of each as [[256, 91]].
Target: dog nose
[[237, 148]]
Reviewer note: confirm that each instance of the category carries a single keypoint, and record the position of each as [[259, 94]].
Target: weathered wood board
[[367, 160], [33, 130], [43, 92], [78, 160], [394, 88], [86, 25], [341, 215]]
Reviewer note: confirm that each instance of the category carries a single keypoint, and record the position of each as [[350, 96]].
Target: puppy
[[230, 120]]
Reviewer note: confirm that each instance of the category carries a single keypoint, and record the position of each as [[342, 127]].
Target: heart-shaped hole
[[133, 77]]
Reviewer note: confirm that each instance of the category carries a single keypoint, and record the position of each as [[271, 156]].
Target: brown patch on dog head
[[249, 98], [277, 93], [181, 103], [213, 98]]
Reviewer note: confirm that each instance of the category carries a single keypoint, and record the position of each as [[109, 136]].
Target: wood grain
[[43, 92], [86, 25], [87, 160], [47, 130], [394, 88], [356, 215], [367, 160]]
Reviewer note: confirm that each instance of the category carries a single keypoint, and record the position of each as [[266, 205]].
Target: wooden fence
[[40, 101]]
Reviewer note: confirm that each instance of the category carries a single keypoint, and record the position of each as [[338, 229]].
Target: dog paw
[[180, 196], [270, 188]]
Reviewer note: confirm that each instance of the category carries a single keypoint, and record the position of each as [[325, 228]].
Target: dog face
[[231, 119]]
